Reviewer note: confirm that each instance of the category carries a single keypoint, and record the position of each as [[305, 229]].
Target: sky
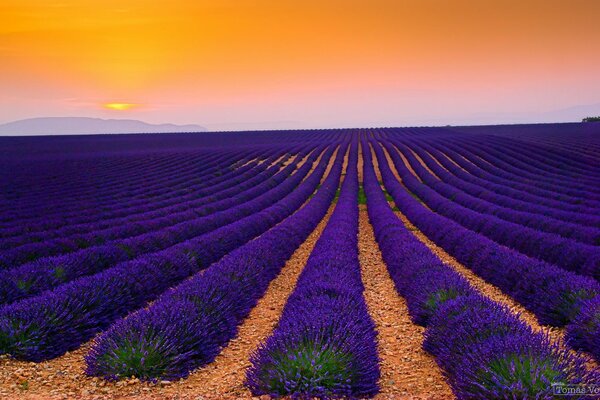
[[257, 64]]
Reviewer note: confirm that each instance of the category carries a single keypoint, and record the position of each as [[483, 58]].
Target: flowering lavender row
[[179, 202], [539, 221], [510, 160], [183, 144], [48, 325], [516, 189], [584, 330], [448, 184], [187, 326], [97, 232], [325, 342], [579, 203], [511, 163], [194, 183], [190, 210], [86, 214], [537, 163], [483, 166], [118, 171], [32, 278], [578, 257], [126, 187], [484, 350], [85, 163], [551, 293], [548, 163], [581, 148], [57, 243], [505, 196], [125, 208]]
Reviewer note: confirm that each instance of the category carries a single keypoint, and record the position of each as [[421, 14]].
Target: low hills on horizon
[[88, 125]]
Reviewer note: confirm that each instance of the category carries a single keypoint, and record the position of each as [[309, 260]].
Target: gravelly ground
[[407, 371]]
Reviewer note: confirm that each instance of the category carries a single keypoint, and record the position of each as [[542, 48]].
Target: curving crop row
[[525, 191], [97, 232], [517, 200], [447, 182], [120, 189], [69, 243], [30, 279], [455, 193], [185, 202], [484, 350], [117, 170], [324, 344], [574, 200], [551, 293], [70, 215], [505, 162], [581, 148], [187, 326], [578, 257], [86, 165], [517, 190], [77, 167], [48, 325], [78, 215], [537, 162]]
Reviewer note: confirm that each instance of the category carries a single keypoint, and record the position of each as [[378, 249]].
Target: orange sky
[[241, 64]]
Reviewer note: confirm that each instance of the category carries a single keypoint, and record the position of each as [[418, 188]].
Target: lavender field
[[425, 263]]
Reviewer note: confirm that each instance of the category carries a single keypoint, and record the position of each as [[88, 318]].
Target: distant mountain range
[[84, 125]]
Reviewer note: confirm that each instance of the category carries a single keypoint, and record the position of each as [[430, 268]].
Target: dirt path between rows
[[224, 378], [64, 377], [407, 371], [493, 292]]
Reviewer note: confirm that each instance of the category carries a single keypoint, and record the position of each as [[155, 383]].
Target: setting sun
[[120, 106]]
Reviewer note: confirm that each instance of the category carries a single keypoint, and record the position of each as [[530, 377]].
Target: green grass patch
[[362, 197]]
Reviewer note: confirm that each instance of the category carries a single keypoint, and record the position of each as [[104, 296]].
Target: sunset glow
[[120, 106], [283, 64]]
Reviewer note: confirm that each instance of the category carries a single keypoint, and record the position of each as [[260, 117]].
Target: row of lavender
[[574, 191], [524, 160], [195, 179], [496, 204], [47, 325], [556, 297], [568, 184], [203, 313], [504, 193], [550, 160], [45, 273], [155, 175], [564, 252], [94, 231], [136, 222], [484, 349], [80, 213], [324, 344], [484, 165], [143, 180], [480, 165], [548, 291], [94, 172]]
